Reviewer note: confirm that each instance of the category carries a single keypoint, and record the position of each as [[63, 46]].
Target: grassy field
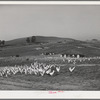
[[86, 75]]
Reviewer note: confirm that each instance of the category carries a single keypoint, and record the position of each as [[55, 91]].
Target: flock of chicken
[[40, 68], [75, 60], [35, 69]]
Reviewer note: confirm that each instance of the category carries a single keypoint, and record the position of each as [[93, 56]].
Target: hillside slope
[[49, 44], [39, 39]]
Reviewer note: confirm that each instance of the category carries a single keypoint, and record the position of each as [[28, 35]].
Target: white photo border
[[46, 94]]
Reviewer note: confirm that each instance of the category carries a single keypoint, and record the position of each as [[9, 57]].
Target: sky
[[80, 22]]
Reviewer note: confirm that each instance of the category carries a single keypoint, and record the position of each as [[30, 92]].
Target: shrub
[[17, 55]]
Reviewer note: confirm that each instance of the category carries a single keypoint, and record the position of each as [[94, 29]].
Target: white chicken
[[58, 69], [71, 69], [51, 73]]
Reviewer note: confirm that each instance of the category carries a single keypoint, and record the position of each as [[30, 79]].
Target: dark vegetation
[[31, 40], [2, 43]]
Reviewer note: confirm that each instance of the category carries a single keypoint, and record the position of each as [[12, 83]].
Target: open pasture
[[85, 76], [55, 59]]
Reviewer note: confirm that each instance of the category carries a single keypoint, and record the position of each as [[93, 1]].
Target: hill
[[49, 44], [39, 39]]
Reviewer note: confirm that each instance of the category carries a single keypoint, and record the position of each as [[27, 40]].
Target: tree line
[[31, 39]]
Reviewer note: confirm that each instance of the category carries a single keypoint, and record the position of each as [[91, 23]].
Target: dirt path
[[79, 65]]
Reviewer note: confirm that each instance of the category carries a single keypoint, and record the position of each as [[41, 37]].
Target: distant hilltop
[[38, 39], [94, 41]]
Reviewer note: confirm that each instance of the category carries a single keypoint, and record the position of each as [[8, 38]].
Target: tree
[[33, 39], [3, 42], [28, 40], [0, 42]]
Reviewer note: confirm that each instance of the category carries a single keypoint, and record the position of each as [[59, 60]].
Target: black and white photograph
[[50, 47]]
